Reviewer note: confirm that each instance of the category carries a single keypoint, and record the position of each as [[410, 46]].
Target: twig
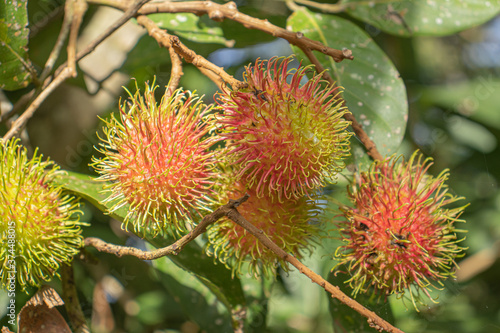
[[54, 54], [370, 146], [229, 11], [176, 72], [129, 13], [200, 62], [63, 72], [78, 9], [175, 248], [373, 319], [71, 302], [28, 113], [214, 77], [165, 39], [162, 39]]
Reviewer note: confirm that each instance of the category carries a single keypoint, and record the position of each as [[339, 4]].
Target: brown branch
[[63, 72], [28, 113], [373, 319], [63, 33], [71, 302], [370, 146], [176, 72], [166, 40], [229, 11], [175, 248], [77, 11], [162, 39], [214, 77]]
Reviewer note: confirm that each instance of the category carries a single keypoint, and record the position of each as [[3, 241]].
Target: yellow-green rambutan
[[39, 224]]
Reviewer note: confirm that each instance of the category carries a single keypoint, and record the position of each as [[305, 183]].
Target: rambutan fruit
[[400, 235], [286, 137], [157, 161], [39, 225], [293, 225]]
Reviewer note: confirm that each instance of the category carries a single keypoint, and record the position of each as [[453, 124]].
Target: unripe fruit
[[400, 232], [39, 225], [286, 138], [157, 161]]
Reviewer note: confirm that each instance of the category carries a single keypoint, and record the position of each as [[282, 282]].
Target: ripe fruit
[[39, 225], [286, 138], [292, 225], [400, 232], [156, 161]]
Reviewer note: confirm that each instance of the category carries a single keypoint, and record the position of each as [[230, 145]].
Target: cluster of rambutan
[[281, 141], [39, 224], [283, 137]]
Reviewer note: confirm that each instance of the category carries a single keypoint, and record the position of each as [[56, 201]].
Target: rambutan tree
[[259, 172]]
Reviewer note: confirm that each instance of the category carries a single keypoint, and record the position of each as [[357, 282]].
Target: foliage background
[[453, 92]]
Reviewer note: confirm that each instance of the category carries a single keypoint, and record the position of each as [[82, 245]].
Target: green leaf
[[436, 18], [192, 258], [193, 297], [347, 320], [374, 92], [194, 28], [13, 45]]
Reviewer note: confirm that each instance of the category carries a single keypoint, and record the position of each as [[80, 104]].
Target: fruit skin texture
[[287, 139], [292, 225], [156, 161], [399, 233], [39, 225]]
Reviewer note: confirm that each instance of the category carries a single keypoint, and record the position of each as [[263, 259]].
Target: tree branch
[[229, 11], [71, 302], [166, 40], [373, 319], [175, 248]]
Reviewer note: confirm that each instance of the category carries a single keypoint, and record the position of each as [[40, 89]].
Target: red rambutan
[[157, 160], [399, 235], [286, 138], [293, 225]]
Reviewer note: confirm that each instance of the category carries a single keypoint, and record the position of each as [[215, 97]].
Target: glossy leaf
[[436, 18], [13, 45], [194, 28], [373, 90], [192, 258]]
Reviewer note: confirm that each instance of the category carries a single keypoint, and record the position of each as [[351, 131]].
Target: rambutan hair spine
[[157, 160], [287, 137]]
